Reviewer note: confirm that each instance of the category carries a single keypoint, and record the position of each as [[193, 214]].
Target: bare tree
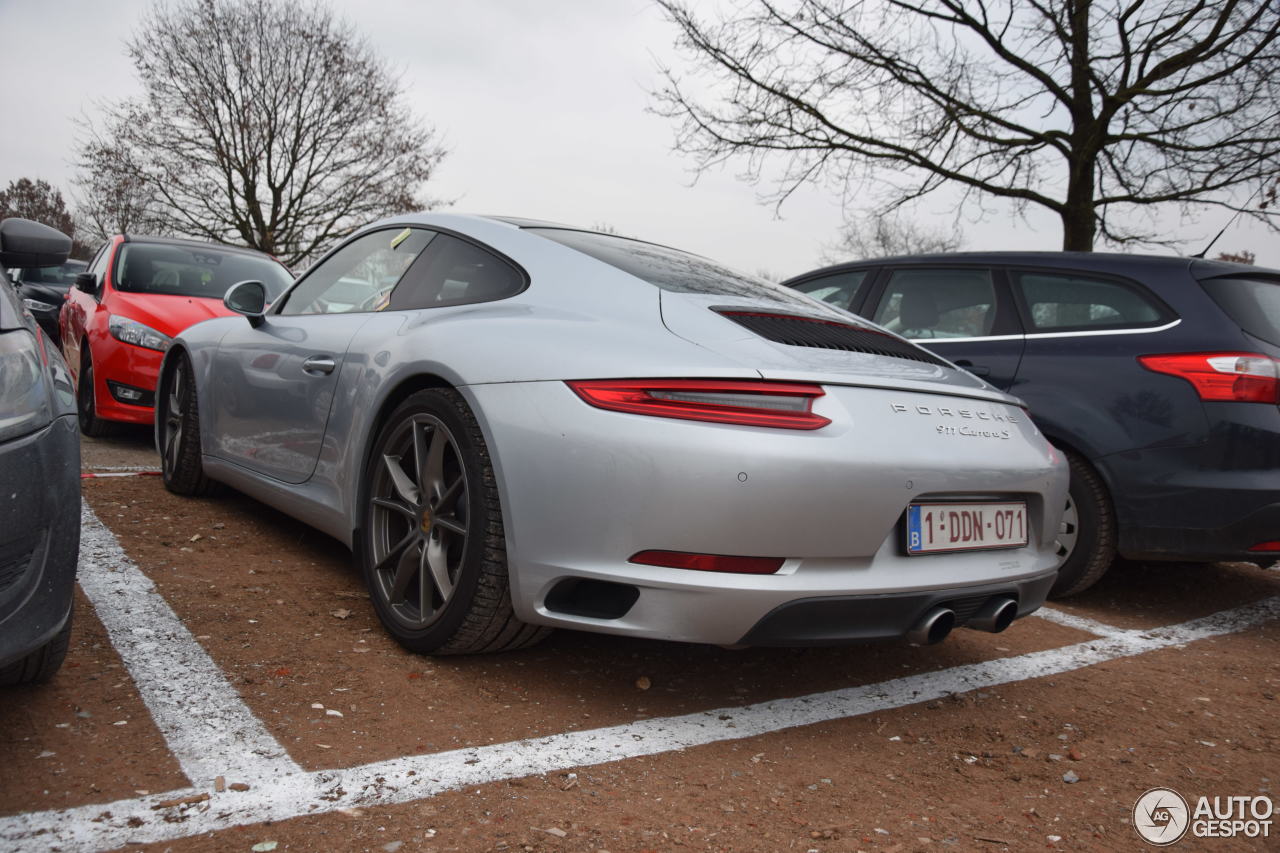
[[263, 122], [1092, 109], [40, 201], [883, 236], [112, 197]]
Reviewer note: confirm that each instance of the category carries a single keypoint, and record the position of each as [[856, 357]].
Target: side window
[[937, 303], [455, 272], [1057, 301], [839, 290], [359, 276]]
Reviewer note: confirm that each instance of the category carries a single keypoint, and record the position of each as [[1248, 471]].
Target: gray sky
[[543, 108]]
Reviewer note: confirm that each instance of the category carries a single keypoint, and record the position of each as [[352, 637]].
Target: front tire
[[180, 464], [86, 400], [1087, 538], [431, 538]]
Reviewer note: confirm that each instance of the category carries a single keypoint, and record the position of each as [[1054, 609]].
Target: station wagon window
[[1252, 302], [359, 276], [938, 303], [1057, 302], [840, 289], [455, 272]]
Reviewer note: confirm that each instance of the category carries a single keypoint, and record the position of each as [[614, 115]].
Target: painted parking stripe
[[279, 790], [205, 723], [1080, 623]]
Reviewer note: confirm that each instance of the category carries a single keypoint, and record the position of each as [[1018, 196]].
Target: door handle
[[319, 365], [975, 369]]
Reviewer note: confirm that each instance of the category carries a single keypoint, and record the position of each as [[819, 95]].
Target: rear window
[[194, 270], [671, 269], [1251, 302], [839, 289]]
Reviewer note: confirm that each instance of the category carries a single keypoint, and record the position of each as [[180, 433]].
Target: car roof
[[1101, 261], [192, 244]]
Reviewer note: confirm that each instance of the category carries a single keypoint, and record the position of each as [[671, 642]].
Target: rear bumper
[[583, 490], [39, 536], [1203, 503], [850, 619]]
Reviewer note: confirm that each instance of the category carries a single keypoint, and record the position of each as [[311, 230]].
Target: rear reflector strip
[[815, 332], [709, 562], [1273, 546], [781, 405], [1240, 377]]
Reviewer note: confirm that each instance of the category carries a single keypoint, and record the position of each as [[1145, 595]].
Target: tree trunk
[[1079, 222]]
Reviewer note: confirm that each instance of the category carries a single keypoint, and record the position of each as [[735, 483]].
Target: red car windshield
[[194, 270]]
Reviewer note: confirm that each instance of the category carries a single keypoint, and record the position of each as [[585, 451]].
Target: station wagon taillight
[[1241, 377], [782, 405]]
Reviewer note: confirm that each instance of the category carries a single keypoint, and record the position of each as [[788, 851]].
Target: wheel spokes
[[396, 506], [404, 486], [435, 562], [431, 477]]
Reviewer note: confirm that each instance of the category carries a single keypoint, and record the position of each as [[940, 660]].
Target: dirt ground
[[1054, 762]]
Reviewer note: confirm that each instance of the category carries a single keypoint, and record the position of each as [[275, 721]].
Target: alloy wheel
[[418, 520], [1068, 531]]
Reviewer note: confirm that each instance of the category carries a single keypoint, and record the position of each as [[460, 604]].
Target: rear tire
[[431, 541], [179, 415], [1087, 537], [41, 664], [86, 399]]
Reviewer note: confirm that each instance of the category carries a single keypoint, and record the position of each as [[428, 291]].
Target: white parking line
[[1080, 623], [208, 727]]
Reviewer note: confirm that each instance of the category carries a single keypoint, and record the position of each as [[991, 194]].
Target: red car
[[123, 313]]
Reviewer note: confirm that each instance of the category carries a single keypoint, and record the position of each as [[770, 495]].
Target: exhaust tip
[[995, 615], [933, 627]]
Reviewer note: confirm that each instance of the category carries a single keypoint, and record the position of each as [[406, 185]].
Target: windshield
[[201, 271], [60, 276], [1252, 302]]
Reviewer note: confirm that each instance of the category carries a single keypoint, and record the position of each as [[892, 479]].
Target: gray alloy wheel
[[431, 541], [418, 514], [179, 414], [1068, 531]]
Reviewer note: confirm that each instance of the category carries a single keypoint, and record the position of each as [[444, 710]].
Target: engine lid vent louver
[[797, 331]]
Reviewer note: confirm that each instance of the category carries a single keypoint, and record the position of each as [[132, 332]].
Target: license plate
[[937, 527]]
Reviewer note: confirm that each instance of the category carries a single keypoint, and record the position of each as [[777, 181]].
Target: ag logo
[[1161, 816]]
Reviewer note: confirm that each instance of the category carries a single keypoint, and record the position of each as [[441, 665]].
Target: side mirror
[[86, 281], [248, 298], [24, 243]]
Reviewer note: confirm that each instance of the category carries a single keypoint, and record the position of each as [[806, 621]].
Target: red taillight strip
[[1262, 547], [1242, 377], [709, 562], [636, 396]]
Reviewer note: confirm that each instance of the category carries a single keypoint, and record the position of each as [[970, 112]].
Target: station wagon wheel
[[432, 540], [1086, 540], [179, 414]]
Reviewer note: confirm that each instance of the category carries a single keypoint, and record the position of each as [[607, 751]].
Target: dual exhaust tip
[[996, 614]]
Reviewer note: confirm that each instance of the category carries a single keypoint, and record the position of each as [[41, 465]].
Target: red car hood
[[168, 315]]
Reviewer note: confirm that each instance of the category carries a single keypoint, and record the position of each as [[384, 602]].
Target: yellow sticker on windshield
[[400, 238]]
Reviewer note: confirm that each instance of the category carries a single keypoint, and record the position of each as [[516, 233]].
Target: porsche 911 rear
[[849, 487]]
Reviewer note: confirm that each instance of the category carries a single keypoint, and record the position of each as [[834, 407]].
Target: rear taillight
[[783, 405], [1242, 377], [1267, 547], [709, 562]]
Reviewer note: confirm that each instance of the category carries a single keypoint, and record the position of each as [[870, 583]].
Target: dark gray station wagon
[[1159, 377]]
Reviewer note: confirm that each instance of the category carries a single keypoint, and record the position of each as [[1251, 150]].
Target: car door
[[271, 385], [964, 313]]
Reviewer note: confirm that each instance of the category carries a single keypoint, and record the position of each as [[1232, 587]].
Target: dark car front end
[[39, 496]]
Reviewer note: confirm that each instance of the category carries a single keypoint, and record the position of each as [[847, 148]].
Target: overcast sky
[[543, 108]]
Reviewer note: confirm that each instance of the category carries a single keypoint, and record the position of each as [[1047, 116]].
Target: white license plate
[[938, 527]]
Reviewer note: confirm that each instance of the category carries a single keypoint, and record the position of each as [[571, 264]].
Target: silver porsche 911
[[517, 425]]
